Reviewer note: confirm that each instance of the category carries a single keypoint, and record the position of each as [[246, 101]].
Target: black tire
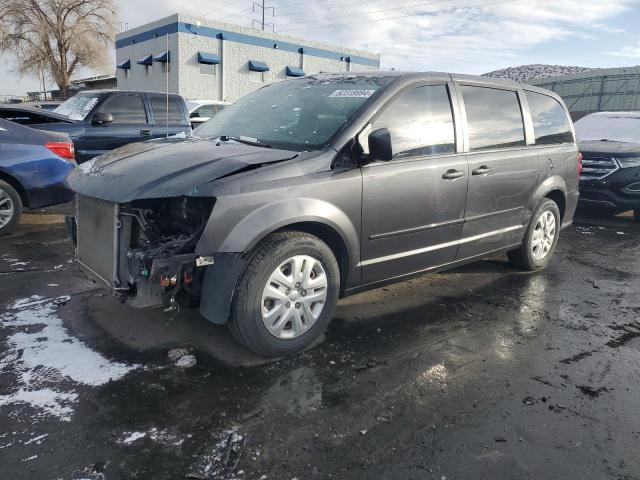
[[523, 257], [246, 323], [8, 192]]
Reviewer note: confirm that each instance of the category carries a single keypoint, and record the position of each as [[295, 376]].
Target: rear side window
[[25, 118], [420, 121], [126, 109], [494, 118], [161, 108], [204, 111], [550, 123]]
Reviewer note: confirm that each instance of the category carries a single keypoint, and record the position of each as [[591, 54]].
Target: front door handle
[[453, 174], [145, 132], [483, 170]]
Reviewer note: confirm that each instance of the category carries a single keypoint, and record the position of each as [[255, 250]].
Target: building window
[[208, 69], [166, 67], [257, 76], [149, 70]]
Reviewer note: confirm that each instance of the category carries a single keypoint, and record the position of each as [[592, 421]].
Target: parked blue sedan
[[33, 166]]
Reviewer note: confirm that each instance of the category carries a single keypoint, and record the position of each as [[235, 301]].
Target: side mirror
[[102, 118], [380, 147]]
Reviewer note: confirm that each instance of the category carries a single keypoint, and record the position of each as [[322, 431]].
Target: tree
[[57, 36]]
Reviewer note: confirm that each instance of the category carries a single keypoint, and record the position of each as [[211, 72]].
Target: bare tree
[[57, 36]]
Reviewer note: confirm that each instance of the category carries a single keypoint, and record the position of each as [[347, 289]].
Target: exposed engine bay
[[164, 235], [145, 249]]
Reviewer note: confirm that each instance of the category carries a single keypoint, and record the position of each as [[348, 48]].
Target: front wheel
[[541, 238], [287, 294]]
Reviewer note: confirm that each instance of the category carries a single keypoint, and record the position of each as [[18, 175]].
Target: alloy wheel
[[7, 208], [544, 235]]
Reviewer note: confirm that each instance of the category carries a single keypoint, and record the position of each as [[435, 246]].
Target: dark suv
[[310, 189], [99, 121], [610, 178]]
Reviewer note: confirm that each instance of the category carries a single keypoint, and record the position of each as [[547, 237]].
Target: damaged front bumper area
[[144, 250]]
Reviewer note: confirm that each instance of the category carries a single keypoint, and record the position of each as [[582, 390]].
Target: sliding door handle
[[453, 174], [483, 170]]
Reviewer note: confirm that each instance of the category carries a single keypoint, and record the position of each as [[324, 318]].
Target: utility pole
[[263, 8]]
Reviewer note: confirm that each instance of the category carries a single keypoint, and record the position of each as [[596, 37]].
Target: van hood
[[169, 167]]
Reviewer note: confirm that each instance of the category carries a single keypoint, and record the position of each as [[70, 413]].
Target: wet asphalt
[[481, 373]]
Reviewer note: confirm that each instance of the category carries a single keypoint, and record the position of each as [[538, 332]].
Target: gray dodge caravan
[[315, 188]]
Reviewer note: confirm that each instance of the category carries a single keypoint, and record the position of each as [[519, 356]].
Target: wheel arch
[[553, 188], [15, 183], [329, 236], [559, 197], [320, 219]]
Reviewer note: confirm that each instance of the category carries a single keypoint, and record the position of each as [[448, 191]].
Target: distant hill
[[524, 73]]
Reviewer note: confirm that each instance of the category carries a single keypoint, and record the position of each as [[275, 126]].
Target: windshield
[[303, 113], [617, 127], [78, 107]]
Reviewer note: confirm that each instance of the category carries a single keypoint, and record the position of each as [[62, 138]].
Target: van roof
[[115, 90], [428, 74]]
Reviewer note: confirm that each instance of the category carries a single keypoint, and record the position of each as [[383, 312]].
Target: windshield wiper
[[245, 140]]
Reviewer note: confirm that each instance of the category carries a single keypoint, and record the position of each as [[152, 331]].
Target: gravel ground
[[483, 372]]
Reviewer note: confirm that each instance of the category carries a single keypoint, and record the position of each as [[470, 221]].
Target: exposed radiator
[[98, 238]]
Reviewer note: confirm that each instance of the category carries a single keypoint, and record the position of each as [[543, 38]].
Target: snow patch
[[132, 437], [47, 362], [160, 436]]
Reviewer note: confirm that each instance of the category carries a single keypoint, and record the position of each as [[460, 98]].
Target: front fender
[[252, 228]]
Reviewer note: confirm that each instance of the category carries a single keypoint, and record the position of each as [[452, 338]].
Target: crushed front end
[[144, 250]]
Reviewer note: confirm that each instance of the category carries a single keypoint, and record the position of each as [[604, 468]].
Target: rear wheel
[[541, 238], [287, 294], [10, 208]]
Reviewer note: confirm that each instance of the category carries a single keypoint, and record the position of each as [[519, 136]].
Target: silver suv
[[320, 187]]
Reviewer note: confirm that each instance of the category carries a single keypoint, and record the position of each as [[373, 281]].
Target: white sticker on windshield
[[352, 93]]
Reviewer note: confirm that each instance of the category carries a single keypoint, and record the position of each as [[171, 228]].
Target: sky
[[462, 36]]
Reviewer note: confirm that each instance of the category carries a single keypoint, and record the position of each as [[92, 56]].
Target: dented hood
[[166, 168]]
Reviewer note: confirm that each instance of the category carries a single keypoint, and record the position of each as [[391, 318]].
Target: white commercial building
[[202, 59]]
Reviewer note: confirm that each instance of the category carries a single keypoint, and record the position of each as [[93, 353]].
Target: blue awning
[[256, 66], [162, 57], [148, 60], [126, 65], [208, 58], [294, 72]]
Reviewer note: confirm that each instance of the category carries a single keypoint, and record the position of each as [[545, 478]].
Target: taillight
[[62, 149], [580, 158]]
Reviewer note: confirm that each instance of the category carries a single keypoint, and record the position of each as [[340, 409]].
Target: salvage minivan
[[311, 189]]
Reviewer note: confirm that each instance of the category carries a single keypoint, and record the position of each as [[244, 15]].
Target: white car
[[202, 110]]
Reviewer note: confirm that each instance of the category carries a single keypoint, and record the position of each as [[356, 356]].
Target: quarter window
[[550, 123], [494, 118], [420, 122], [161, 107], [126, 109]]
